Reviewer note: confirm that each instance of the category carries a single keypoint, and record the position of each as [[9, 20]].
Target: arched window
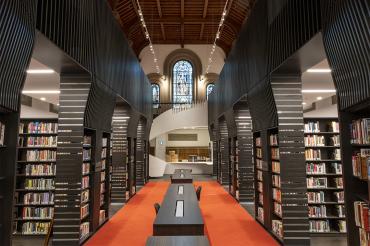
[[182, 82], [155, 95], [210, 88]]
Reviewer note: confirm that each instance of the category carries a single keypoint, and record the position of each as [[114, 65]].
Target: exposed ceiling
[[317, 81], [42, 82], [181, 21]]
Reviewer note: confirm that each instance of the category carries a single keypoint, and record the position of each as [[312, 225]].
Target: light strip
[[147, 36], [40, 71], [41, 92], [319, 91], [218, 34], [319, 70]]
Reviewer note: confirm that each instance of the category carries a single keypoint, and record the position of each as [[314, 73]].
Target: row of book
[[260, 198], [275, 166], [277, 227], [39, 141], [319, 141], [319, 197], [321, 211], [41, 155], [84, 211], [276, 194], [84, 229], [39, 127], [315, 154], [325, 226], [276, 181], [258, 152], [44, 198], [278, 209], [314, 127], [260, 214], [85, 183], [274, 140], [101, 216], [34, 228], [321, 168], [259, 175], [260, 187], [322, 182], [275, 154], [39, 184], [40, 169], [86, 154], [104, 153], [85, 196], [258, 142], [360, 162], [360, 131], [362, 218], [85, 168], [2, 133], [40, 213], [87, 140], [259, 163]]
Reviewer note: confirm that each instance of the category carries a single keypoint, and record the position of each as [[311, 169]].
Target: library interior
[[185, 122]]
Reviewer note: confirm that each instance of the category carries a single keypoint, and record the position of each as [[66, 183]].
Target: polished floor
[[226, 222]]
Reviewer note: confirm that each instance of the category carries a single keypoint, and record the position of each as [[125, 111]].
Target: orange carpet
[[227, 223]]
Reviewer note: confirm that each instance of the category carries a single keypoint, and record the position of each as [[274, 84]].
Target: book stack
[[35, 228], [333, 126], [41, 155], [84, 230], [85, 182], [312, 154], [44, 198], [312, 127], [42, 127], [359, 163], [275, 153], [362, 216], [316, 197], [314, 140], [84, 211], [277, 228], [275, 166], [276, 194], [39, 184], [86, 154], [317, 211], [40, 169], [360, 131], [101, 216], [37, 213], [313, 182], [40, 141], [274, 140]]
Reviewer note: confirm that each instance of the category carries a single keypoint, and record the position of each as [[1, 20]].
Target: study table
[[177, 241], [181, 177], [179, 214]]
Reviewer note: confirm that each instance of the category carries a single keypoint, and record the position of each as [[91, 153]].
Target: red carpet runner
[[227, 223]]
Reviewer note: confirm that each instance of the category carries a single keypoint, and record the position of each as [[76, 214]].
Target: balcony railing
[[159, 108]]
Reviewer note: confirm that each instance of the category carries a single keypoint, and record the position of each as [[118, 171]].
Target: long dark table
[[177, 241], [182, 177], [166, 222], [179, 170]]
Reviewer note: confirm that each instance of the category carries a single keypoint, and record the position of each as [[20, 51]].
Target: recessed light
[[319, 91], [57, 104], [304, 103], [40, 71], [319, 70], [41, 92], [42, 98], [319, 98]]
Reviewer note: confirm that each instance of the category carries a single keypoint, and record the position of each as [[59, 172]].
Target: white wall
[[203, 138], [163, 50], [39, 110]]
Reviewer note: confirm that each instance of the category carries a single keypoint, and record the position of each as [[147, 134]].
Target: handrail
[[159, 108]]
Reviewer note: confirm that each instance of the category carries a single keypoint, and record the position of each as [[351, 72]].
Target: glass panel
[[210, 89], [155, 91], [182, 82]]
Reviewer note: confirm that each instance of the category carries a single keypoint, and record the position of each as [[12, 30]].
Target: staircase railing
[[159, 108]]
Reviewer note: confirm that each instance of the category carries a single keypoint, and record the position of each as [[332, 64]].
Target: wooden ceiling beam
[[133, 2], [159, 8], [187, 20], [205, 8], [182, 22], [163, 32]]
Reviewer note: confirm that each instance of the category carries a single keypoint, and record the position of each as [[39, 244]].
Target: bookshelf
[[131, 169], [87, 184], [234, 167], [105, 179], [276, 201], [259, 178], [35, 176], [325, 191], [355, 144]]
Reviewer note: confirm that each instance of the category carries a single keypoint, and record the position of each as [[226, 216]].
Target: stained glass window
[[210, 89], [182, 84], [155, 94]]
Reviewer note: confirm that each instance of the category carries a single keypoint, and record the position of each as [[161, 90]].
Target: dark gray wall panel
[[347, 43]]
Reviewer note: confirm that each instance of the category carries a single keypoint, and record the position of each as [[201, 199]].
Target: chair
[[157, 206], [199, 189]]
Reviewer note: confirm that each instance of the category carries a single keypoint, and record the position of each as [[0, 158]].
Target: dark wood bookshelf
[[234, 167], [34, 136], [327, 141]]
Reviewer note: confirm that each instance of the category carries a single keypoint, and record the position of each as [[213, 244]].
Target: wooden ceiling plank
[[163, 32], [182, 22], [159, 8], [201, 31], [205, 8]]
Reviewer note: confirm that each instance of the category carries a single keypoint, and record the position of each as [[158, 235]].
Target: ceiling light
[[40, 92], [319, 70], [319, 98], [40, 71], [304, 103], [42, 98], [319, 91], [58, 104]]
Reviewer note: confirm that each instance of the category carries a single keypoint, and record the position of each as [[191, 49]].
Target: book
[[2, 133]]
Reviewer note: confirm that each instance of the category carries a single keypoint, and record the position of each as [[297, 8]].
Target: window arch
[[182, 82], [155, 95], [209, 90]]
